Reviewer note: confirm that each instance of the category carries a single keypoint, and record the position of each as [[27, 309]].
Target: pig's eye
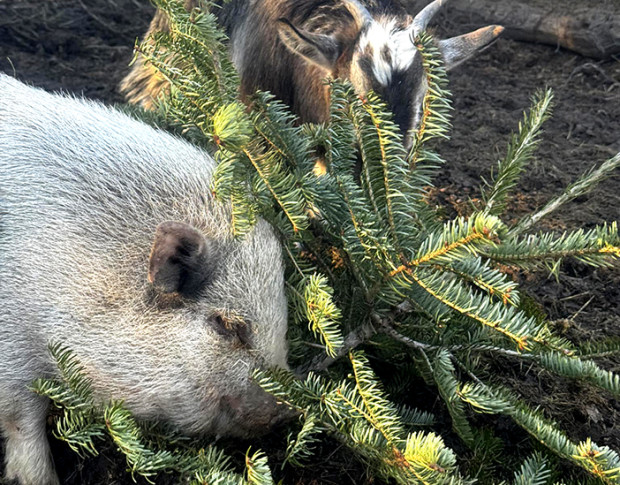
[[219, 321], [233, 327]]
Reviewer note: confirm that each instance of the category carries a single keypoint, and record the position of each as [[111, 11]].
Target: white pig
[[111, 244]]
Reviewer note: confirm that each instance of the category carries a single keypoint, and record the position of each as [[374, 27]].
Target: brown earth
[[84, 46]]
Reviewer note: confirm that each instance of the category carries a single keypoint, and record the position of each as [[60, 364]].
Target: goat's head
[[378, 53]]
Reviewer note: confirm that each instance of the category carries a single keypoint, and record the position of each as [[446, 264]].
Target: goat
[[289, 47]]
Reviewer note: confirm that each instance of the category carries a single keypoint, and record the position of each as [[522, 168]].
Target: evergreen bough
[[372, 264]]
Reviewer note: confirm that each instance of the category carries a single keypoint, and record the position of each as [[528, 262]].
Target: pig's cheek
[[247, 412], [230, 404]]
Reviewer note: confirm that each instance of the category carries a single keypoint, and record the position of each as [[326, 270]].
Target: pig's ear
[[179, 257]]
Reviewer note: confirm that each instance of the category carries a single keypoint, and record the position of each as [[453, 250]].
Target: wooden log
[[590, 29]]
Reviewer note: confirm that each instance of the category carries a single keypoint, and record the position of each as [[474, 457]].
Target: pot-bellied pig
[[112, 245], [289, 47]]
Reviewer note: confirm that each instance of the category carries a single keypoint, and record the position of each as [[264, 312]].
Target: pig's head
[[228, 296]]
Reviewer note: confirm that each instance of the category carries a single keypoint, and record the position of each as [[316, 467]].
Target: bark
[[592, 32], [590, 29]]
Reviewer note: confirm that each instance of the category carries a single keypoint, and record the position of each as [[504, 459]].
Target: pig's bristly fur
[[83, 189]]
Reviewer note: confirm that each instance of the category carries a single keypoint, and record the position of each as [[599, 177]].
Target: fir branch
[[217, 477], [574, 367], [436, 106], [447, 384], [372, 147], [73, 390], [227, 174], [365, 423], [403, 290], [414, 418], [582, 186], [80, 425], [520, 151], [424, 457], [257, 470], [281, 185], [389, 153], [203, 75], [385, 170], [291, 205], [508, 321], [354, 339], [285, 388], [558, 363], [434, 123], [457, 239], [83, 423], [534, 471], [202, 42], [468, 348], [232, 128], [275, 124], [341, 139], [457, 236], [322, 314], [601, 348], [363, 237], [206, 461], [127, 436], [203, 32], [289, 146], [380, 412], [480, 273], [601, 462], [299, 449], [243, 213], [80, 430], [228, 185], [596, 247], [428, 459]]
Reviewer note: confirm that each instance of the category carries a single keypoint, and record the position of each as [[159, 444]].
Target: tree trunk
[[590, 29]]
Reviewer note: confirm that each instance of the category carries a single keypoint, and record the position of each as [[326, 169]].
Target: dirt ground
[[84, 46]]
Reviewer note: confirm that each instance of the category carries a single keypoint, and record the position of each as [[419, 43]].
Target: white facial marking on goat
[[392, 48]]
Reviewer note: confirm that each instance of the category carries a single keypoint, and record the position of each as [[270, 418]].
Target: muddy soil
[[84, 46]]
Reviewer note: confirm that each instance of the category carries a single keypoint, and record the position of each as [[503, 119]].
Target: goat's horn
[[421, 21], [359, 13]]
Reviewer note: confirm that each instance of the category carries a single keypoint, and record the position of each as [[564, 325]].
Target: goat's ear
[[459, 49], [179, 259], [319, 49]]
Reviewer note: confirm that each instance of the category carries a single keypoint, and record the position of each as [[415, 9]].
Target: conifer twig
[[520, 151], [357, 337], [387, 329], [354, 339], [582, 186], [414, 344]]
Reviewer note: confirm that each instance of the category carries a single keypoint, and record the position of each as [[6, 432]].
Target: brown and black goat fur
[[289, 47]]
